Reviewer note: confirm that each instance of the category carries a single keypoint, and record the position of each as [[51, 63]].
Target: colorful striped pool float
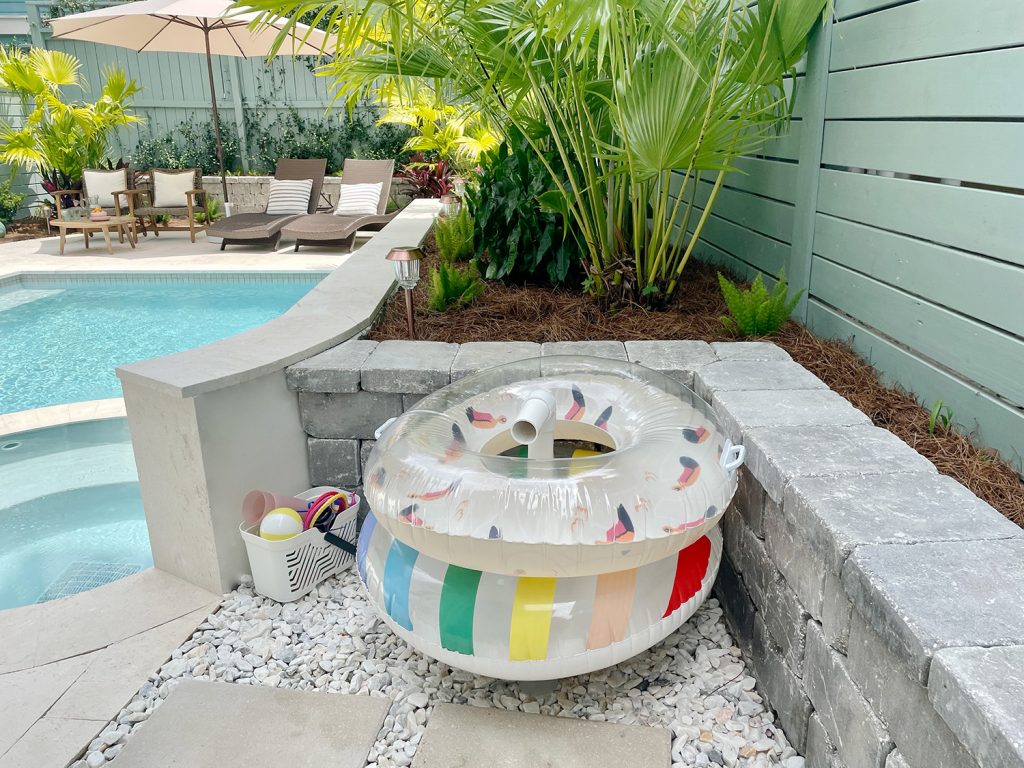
[[527, 627]]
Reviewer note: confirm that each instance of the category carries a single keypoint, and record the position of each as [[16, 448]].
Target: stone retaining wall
[[248, 194], [878, 602]]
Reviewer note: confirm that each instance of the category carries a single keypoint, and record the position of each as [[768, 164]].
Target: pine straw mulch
[[518, 313], [25, 229]]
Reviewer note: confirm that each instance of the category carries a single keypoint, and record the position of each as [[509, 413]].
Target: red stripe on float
[[691, 567]]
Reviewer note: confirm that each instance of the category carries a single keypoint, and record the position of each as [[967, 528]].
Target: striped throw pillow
[[288, 197], [358, 199]]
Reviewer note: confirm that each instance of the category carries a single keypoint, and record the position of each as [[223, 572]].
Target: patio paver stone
[[469, 737], [753, 374], [741, 410], [221, 725], [749, 350], [613, 350]]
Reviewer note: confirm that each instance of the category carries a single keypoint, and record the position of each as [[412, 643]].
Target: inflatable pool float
[[546, 518]]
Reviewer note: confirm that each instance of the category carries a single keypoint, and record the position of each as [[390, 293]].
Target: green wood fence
[[175, 89], [896, 200]]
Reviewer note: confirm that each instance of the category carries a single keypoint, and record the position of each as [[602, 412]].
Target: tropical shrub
[[755, 311], [515, 239], [442, 131], [10, 201], [290, 134], [624, 92], [454, 236], [192, 144], [453, 284], [212, 210], [60, 137], [425, 178]]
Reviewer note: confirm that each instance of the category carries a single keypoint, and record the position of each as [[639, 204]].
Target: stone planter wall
[[877, 601], [248, 194]]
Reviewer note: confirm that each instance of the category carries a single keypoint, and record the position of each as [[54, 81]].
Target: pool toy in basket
[[582, 553], [295, 542]]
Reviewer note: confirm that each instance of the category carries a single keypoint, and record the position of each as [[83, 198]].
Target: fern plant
[[454, 236], [453, 284], [756, 311]]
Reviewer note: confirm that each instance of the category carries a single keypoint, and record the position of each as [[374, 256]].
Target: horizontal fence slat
[[759, 251], [975, 220], [975, 85], [925, 29], [992, 358], [761, 214], [992, 421], [768, 178], [990, 291], [980, 152]]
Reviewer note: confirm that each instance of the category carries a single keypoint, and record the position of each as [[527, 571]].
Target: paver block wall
[[877, 601], [248, 194]]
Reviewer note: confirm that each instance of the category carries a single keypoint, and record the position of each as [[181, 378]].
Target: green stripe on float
[[458, 602]]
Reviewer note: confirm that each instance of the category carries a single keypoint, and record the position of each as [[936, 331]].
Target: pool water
[[62, 338], [71, 517]]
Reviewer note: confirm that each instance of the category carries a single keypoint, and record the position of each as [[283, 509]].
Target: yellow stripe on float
[[531, 619]]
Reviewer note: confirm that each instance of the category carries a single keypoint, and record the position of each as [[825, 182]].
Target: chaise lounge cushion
[[249, 226], [289, 196], [358, 199]]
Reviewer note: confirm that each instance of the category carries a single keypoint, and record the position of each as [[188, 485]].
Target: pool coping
[[339, 307], [61, 414]]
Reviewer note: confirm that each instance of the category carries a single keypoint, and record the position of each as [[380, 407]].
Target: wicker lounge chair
[[265, 228], [327, 229], [171, 193]]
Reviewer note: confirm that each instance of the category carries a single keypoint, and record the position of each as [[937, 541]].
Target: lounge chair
[[334, 229], [265, 228], [172, 192]]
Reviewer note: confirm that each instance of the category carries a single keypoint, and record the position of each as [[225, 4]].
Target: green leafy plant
[[515, 239], [10, 201], [60, 137], [644, 105], [454, 236], [458, 136], [192, 144], [940, 417], [755, 311], [453, 285], [212, 210]]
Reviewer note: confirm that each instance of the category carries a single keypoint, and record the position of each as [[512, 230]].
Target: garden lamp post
[[406, 261]]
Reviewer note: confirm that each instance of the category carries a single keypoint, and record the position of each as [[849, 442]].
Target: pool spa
[[64, 334], [70, 512]]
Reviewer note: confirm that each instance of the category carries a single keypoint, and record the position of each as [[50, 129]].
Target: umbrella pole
[[216, 115]]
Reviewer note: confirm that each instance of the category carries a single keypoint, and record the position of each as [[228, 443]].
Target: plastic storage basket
[[286, 570]]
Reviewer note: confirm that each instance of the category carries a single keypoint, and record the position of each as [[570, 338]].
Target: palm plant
[[60, 138], [457, 136], [636, 102]]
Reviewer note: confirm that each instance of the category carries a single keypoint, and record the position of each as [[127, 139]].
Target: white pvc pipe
[[534, 427]]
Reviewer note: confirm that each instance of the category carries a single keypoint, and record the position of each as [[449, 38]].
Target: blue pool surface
[[62, 339], [71, 516]]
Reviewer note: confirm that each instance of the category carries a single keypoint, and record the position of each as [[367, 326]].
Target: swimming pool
[[63, 335], [70, 512]]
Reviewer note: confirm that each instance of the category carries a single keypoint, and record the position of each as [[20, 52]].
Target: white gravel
[[694, 682]]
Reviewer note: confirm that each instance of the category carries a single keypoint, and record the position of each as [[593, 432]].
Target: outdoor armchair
[[171, 193]]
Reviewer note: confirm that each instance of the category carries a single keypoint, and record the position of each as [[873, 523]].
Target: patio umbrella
[[187, 26]]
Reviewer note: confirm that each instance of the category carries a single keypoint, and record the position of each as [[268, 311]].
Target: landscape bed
[[542, 314]]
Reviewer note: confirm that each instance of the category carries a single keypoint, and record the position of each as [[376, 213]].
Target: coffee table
[[123, 225]]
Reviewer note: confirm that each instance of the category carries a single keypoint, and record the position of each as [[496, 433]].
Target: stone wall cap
[[920, 598], [979, 692], [336, 370]]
